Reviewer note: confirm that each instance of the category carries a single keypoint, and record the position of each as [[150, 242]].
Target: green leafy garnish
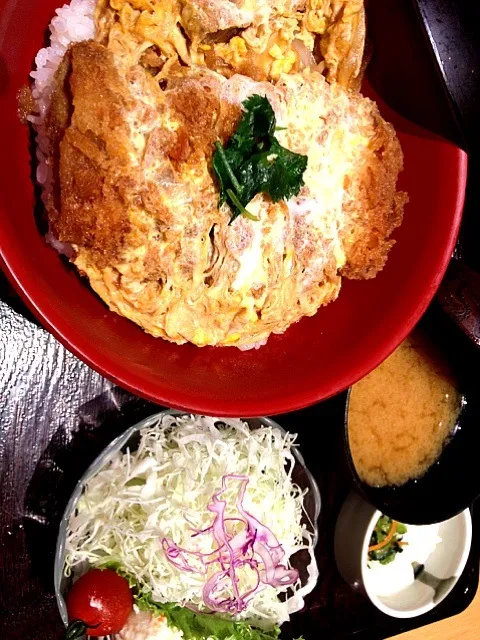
[[386, 540], [197, 626], [116, 566], [253, 161]]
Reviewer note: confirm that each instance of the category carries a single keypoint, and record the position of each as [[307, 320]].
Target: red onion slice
[[254, 547]]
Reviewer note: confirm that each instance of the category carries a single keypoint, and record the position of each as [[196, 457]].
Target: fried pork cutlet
[[136, 197]]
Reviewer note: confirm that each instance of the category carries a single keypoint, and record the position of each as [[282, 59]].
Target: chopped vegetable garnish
[[386, 540], [253, 161]]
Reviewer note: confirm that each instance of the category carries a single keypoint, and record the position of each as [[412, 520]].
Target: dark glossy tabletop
[[56, 414]]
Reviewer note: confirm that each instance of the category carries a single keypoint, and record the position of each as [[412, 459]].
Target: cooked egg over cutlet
[[259, 38], [135, 195]]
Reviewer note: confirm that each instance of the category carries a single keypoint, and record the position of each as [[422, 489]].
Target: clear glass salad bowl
[[300, 474]]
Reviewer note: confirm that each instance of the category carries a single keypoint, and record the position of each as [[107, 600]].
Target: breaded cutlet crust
[[373, 191], [92, 154]]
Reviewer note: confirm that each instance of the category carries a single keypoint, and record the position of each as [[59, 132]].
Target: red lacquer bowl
[[313, 360]]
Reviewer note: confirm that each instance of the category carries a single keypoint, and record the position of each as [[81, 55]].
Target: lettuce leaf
[[198, 626]]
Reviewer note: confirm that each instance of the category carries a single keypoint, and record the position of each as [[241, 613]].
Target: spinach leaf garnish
[[253, 161]]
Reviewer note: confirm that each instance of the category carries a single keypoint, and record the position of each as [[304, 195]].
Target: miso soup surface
[[401, 414]]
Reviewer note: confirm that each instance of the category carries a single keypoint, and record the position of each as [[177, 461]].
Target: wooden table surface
[[465, 626]]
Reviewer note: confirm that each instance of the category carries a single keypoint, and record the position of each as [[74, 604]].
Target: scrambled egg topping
[[259, 38], [139, 204]]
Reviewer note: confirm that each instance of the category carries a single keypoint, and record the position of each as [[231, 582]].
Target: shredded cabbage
[[162, 491]]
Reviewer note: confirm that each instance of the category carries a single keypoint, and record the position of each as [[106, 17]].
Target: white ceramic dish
[[443, 567]]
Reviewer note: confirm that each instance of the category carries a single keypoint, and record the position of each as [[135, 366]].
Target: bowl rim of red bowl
[[300, 398], [296, 396]]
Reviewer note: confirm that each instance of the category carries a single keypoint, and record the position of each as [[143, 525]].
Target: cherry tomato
[[102, 600]]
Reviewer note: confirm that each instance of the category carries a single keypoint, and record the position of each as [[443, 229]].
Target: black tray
[[56, 414]]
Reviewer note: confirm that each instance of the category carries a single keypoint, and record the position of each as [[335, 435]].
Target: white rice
[[73, 23]]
